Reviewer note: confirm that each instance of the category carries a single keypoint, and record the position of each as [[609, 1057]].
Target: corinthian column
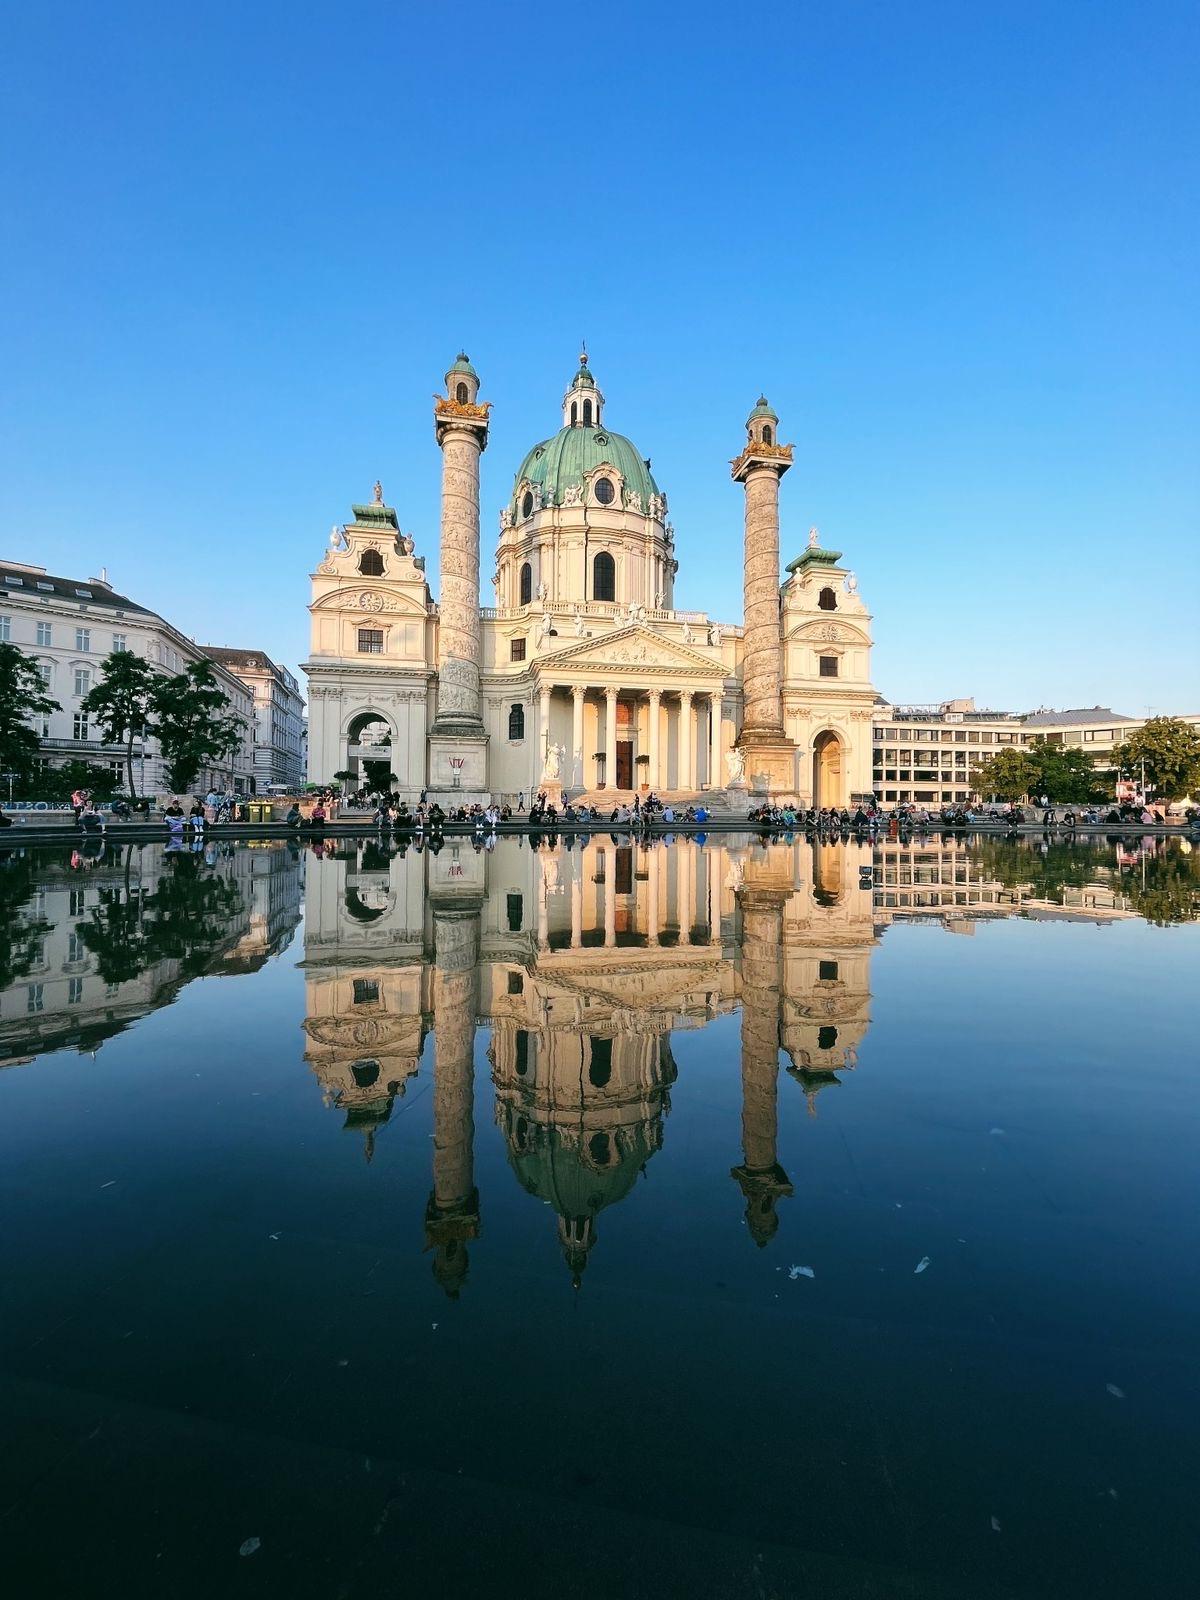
[[452, 1215], [461, 426]]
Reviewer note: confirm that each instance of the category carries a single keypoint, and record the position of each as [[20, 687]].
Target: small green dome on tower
[[462, 363], [583, 378], [763, 409]]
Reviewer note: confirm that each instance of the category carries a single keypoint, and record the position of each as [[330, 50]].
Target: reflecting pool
[[719, 1218]]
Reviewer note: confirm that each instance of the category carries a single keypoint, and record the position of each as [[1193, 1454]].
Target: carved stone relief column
[[761, 1178]]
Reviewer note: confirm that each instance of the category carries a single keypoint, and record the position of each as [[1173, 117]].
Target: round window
[[605, 491], [527, 505]]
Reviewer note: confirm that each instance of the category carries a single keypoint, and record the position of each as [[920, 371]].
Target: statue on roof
[[378, 493], [814, 538]]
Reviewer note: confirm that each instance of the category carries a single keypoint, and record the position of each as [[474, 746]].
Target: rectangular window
[[80, 726], [83, 680], [987, 738], [370, 641], [5, 629], [74, 991], [366, 991], [516, 649], [516, 983], [83, 640], [514, 905], [827, 971], [960, 738], [45, 727], [78, 902], [45, 633], [947, 736], [829, 666], [33, 997], [119, 642]]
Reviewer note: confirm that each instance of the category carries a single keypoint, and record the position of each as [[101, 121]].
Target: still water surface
[[728, 1219]]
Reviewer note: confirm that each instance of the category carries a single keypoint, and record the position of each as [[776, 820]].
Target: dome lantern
[[583, 402], [462, 381]]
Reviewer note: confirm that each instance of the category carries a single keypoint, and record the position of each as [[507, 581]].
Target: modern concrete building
[[278, 714], [584, 672], [68, 626]]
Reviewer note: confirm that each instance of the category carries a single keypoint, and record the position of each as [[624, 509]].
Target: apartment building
[[68, 626], [279, 752]]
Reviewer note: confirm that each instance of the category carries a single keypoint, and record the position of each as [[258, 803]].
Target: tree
[[1009, 775], [195, 726], [1065, 774], [122, 702], [22, 696], [1168, 750], [344, 776], [58, 783]]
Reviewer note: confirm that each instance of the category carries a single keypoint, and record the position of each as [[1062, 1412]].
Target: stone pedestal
[[449, 781], [553, 790], [737, 798], [770, 766]]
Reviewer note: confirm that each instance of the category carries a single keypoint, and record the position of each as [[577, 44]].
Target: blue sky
[[955, 244]]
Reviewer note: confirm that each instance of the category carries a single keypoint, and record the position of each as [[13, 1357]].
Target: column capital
[[686, 696], [655, 696], [545, 691], [578, 691], [610, 695]]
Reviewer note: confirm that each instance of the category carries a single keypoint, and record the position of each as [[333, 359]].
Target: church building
[[583, 677]]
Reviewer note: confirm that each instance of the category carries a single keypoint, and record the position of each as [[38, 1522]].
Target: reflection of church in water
[[583, 963]]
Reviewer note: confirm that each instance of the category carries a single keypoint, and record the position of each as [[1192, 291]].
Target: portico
[[652, 718]]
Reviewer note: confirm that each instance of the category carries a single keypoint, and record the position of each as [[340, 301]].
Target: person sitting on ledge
[[293, 817]]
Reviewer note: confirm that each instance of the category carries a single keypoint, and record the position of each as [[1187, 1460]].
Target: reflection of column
[[577, 903], [452, 1215], [577, 694], [687, 767], [761, 1177], [686, 854], [714, 742], [653, 775], [654, 867], [712, 861], [610, 896], [544, 909], [610, 738]]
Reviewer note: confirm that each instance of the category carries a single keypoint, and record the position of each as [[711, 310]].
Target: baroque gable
[[631, 649]]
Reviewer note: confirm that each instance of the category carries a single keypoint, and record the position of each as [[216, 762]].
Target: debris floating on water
[[248, 1546], [995, 1130], [995, 1524], [109, 1184], [1117, 1394], [922, 1264], [800, 1272]]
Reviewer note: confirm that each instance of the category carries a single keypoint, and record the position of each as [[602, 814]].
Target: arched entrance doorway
[[829, 777], [369, 750]]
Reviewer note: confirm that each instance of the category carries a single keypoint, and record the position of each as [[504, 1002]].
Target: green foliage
[[1009, 775], [122, 701], [195, 726], [20, 934], [185, 918], [22, 697], [1170, 751], [1066, 774], [60, 783], [1164, 888]]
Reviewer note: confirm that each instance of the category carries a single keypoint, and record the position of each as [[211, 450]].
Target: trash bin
[[258, 812]]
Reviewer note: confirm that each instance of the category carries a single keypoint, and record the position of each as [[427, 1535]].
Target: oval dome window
[[605, 491]]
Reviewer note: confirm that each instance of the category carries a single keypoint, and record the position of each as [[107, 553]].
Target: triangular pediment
[[633, 649]]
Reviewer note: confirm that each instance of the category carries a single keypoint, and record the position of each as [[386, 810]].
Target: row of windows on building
[[45, 636]]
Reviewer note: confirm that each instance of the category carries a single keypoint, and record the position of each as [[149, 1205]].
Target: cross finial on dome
[[583, 352]]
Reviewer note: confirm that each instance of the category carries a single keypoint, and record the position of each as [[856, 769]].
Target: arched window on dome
[[827, 600], [574, 412], [604, 577], [462, 394], [370, 564], [526, 585], [587, 413], [767, 436]]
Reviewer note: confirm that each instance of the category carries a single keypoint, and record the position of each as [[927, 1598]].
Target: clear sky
[[955, 244]]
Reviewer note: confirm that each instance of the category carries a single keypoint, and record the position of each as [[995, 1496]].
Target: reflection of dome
[[567, 459], [579, 1172]]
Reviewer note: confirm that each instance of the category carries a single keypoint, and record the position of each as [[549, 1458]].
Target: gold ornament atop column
[[770, 754]]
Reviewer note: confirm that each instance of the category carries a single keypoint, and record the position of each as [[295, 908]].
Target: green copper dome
[[462, 363], [763, 409], [574, 453]]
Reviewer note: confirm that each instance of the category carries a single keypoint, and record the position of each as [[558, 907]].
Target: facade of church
[[584, 676]]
